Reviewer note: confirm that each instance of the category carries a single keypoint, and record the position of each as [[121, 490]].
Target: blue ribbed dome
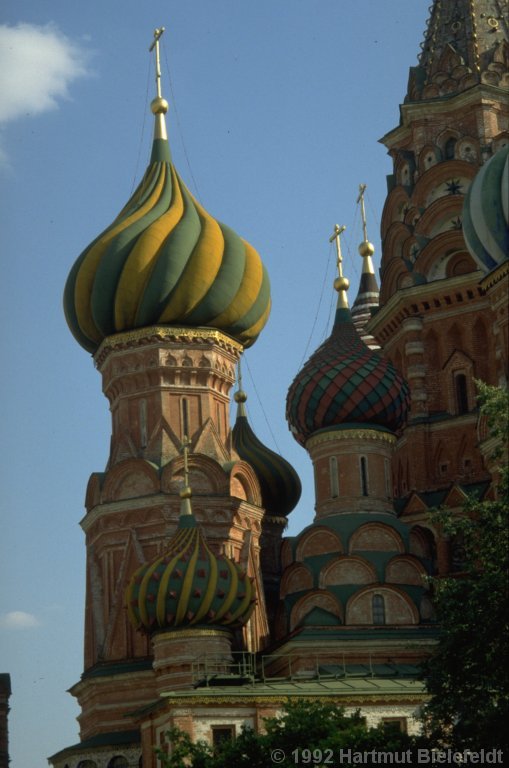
[[486, 213]]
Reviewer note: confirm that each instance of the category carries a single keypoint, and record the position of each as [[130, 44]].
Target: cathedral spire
[[465, 43], [368, 294], [159, 105], [341, 284]]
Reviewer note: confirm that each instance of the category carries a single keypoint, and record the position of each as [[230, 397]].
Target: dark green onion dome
[[345, 382], [279, 483], [165, 261], [189, 586], [486, 212]]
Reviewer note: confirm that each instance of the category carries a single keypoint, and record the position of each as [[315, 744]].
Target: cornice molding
[[480, 94], [164, 333], [349, 434]]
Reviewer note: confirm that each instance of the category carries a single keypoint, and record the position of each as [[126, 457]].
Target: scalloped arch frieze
[[93, 493], [399, 608], [130, 479], [286, 553], [296, 578], [205, 476], [441, 216], [432, 260], [319, 598], [396, 205], [434, 182], [244, 484], [395, 273], [347, 569], [394, 242], [320, 540], [405, 569], [429, 156], [375, 537]]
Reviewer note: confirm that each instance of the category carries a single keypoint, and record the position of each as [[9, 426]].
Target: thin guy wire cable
[[325, 277], [261, 406], [145, 110], [179, 126]]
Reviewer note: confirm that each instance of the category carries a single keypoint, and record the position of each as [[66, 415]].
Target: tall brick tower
[[165, 299], [439, 320]]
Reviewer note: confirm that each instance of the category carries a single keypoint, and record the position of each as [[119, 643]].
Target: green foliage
[[467, 676], [321, 728]]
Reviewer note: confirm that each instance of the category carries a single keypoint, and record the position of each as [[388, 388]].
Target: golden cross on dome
[[360, 199], [185, 493], [185, 451], [341, 284], [159, 105], [366, 249], [157, 35]]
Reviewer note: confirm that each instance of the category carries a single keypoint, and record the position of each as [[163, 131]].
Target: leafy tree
[[321, 728], [467, 676]]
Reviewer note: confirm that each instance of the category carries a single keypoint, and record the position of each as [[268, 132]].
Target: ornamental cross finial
[[360, 199], [157, 34], [186, 493], [336, 236], [185, 451], [341, 284], [366, 249]]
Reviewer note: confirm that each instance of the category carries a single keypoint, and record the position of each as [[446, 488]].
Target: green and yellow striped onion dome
[[166, 261], [279, 483], [189, 586], [486, 212]]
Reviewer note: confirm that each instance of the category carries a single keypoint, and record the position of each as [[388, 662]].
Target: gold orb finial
[[240, 396], [159, 106], [366, 248], [341, 284]]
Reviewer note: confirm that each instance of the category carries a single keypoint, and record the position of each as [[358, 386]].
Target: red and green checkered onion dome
[[346, 383], [189, 586], [279, 482], [486, 213], [166, 261]]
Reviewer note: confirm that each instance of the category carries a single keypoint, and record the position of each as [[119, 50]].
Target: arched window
[[119, 761], [378, 609], [333, 477], [460, 385], [449, 149], [364, 475]]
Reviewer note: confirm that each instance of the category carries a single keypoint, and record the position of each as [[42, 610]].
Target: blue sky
[[276, 108]]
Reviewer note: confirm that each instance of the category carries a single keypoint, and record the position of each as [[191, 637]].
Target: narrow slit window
[[185, 417], [143, 423], [460, 381], [388, 478], [333, 476], [378, 608], [364, 475]]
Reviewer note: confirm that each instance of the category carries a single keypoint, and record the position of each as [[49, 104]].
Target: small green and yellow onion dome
[[189, 586], [346, 383], [486, 212], [279, 483], [166, 261]]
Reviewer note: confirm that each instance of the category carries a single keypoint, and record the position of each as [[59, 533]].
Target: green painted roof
[[279, 482], [102, 740]]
